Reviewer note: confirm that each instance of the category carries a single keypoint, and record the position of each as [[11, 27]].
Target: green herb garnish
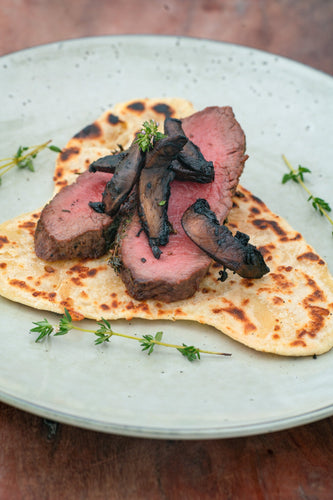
[[105, 332], [148, 135], [319, 204], [297, 176], [43, 328], [24, 157], [190, 352], [149, 342]]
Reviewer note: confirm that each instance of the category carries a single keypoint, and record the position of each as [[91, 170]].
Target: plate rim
[[196, 39], [150, 432]]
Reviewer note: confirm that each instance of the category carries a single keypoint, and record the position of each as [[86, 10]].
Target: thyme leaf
[[44, 328], [296, 175], [65, 324], [54, 148], [318, 204], [190, 352], [24, 157], [148, 135], [149, 341], [104, 333]]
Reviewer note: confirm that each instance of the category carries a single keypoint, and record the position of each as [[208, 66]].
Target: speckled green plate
[[51, 92]]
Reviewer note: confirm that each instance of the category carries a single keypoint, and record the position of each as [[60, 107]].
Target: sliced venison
[[182, 265], [69, 228]]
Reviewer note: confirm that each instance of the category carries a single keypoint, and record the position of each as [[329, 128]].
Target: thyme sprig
[[148, 135], [105, 332], [298, 176], [24, 157]]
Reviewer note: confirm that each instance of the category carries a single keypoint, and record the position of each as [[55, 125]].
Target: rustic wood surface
[[43, 460]]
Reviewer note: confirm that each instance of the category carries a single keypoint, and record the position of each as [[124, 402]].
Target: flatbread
[[113, 130], [287, 312]]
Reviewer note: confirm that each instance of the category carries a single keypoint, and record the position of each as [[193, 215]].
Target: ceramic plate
[[51, 92]]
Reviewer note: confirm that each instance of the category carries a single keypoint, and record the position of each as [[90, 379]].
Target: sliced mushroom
[[234, 252], [108, 163], [190, 164], [154, 190], [126, 174]]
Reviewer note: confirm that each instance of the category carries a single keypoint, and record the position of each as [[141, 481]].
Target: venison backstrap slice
[[180, 268]]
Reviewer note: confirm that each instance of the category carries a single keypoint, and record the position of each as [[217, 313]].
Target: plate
[[51, 92]]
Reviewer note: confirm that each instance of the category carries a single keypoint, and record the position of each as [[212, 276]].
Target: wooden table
[[43, 460]]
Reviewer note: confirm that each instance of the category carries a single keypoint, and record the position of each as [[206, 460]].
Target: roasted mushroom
[[126, 174], [234, 252], [154, 190], [190, 164], [108, 163]]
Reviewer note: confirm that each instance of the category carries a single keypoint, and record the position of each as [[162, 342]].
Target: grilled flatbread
[[287, 312]]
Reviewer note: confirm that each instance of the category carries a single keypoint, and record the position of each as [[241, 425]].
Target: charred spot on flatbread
[[137, 106], [90, 131], [264, 224], [164, 109], [113, 119], [312, 257], [3, 240], [67, 153]]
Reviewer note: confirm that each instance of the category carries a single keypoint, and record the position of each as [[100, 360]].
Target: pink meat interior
[[221, 140], [72, 212]]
